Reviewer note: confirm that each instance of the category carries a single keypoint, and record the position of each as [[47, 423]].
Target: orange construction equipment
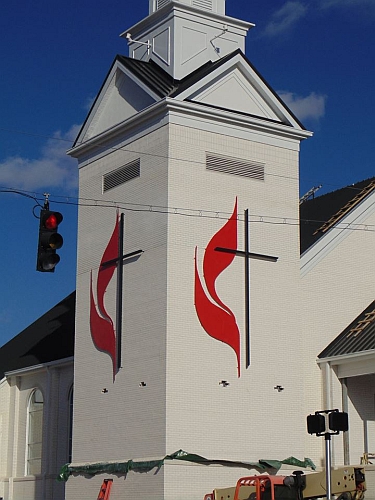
[[105, 489]]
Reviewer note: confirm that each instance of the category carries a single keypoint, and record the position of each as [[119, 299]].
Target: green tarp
[[120, 468]]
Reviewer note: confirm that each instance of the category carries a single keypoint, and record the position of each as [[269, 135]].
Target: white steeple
[[182, 35], [217, 6]]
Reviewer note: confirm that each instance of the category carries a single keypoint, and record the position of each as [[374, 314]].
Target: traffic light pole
[[319, 424], [327, 437]]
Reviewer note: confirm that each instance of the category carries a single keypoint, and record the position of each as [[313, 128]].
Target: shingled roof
[[49, 338], [359, 336], [319, 214]]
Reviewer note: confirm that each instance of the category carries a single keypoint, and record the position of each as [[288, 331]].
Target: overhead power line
[[154, 155], [184, 212]]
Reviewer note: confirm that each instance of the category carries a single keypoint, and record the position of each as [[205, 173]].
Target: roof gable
[[124, 93], [231, 84]]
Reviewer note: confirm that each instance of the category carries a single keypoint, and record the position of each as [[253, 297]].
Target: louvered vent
[[121, 175], [235, 166], [161, 3], [202, 4]]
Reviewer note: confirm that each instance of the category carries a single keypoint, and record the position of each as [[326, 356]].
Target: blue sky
[[318, 55]]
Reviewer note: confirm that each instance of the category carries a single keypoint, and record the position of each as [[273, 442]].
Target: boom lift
[[348, 483]]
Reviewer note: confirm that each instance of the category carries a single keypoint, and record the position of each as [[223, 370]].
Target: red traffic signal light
[[49, 241]]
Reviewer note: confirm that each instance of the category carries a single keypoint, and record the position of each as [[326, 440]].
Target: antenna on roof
[[310, 193]]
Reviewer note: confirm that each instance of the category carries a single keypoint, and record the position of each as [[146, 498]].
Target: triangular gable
[[234, 84], [231, 83], [121, 96]]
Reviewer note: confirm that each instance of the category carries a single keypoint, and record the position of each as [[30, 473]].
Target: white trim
[[204, 117], [44, 366], [177, 9], [344, 358], [334, 236]]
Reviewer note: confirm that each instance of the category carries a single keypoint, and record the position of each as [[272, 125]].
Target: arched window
[[35, 433]]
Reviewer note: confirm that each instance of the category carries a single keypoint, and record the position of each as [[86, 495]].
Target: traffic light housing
[[49, 241], [316, 424], [338, 421]]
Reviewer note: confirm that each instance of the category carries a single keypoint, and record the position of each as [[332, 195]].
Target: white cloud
[[325, 4], [53, 168], [285, 18], [309, 107]]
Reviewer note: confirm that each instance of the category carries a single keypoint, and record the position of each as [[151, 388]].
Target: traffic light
[[49, 241], [316, 424], [338, 421]]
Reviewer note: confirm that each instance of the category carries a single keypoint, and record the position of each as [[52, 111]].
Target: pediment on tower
[[130, 87], [233, 84]]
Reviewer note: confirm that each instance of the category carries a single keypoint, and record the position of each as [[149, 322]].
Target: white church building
[[213, 312]]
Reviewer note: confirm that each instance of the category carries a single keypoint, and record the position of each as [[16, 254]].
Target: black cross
[[248, 255], [119, 261]]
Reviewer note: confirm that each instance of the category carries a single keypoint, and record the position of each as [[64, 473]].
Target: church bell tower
[[182, 35], [188, 267]]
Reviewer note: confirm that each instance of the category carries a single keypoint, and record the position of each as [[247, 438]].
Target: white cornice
[[165, 111], [172, 8], [41, 367], [346, 358]]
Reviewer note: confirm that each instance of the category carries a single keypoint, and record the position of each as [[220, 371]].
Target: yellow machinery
[[347, 483]]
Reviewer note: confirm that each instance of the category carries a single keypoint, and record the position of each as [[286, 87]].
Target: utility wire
[[144, 153], [190, 212]]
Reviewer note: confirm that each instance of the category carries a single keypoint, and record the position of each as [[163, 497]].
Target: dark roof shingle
[[317, 211], [359, 336], [49, 338]]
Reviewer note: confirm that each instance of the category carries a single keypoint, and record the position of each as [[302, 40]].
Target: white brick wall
[[335, 292], [164, 345]]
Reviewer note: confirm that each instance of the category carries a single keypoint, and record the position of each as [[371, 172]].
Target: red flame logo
[[101, 324], [215, 317]]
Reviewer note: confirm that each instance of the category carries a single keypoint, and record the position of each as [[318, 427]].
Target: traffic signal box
[[49, 241]]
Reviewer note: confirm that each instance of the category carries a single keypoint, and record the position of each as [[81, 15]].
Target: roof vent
[[202, 4], [161, 3], [235, 166], [121, 175]]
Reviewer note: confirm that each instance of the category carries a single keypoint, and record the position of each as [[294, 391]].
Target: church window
[[121, 175], [35, 433]]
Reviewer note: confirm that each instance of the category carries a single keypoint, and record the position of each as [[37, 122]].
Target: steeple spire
[[182, 35]]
